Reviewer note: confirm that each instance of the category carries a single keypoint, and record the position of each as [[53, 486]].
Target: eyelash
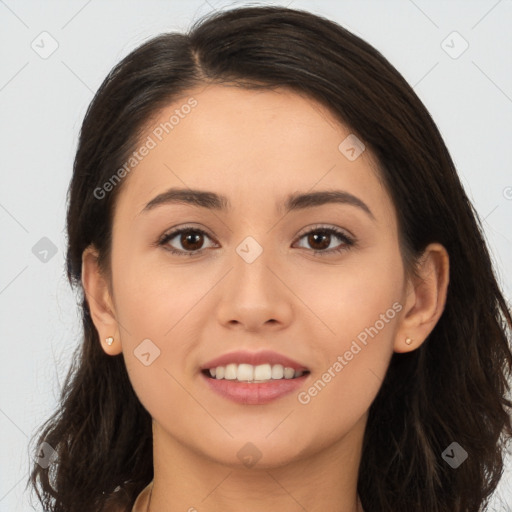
[[348, 241]]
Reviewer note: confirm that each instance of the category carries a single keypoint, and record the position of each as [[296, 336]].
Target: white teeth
[[230, 373], [245, 372], [277, 371], [289, 373], [249, 373], [263, 372]]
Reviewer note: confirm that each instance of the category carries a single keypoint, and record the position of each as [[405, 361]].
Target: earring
[[109, 340], [408, 341]]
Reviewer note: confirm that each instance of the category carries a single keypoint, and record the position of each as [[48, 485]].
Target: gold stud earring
[[408, 341], [109, 340]]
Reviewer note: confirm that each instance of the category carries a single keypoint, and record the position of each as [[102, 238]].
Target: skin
[[256, 147]]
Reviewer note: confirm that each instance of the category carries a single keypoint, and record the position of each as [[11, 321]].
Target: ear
[[424, 298], [100, 301]]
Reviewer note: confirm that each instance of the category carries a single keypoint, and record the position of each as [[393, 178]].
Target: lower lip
[[254, 394]]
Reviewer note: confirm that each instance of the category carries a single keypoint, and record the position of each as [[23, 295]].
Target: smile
[[254, 374], [254, 378]]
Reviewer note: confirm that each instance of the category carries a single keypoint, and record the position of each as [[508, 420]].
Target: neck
[[187, 480]]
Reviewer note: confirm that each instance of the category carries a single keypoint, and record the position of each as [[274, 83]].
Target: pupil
[[184, 241], [315, 240]]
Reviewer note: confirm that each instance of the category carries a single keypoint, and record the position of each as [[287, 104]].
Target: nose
[[254, 295]]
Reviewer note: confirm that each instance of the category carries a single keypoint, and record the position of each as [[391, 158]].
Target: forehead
[[247, 144]]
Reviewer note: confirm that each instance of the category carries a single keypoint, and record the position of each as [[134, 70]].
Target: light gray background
[[43, 102]]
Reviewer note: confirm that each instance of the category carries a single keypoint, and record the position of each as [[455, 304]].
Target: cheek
[[149, 309], [151, 297], [360, 295], [361, 309], [355, 362]]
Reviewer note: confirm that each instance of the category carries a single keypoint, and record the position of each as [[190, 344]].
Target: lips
[[254, 392]]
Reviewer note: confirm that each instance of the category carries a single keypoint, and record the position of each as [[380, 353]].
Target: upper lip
[[253, 358]]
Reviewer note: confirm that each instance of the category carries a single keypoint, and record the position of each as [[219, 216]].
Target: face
[[318, 281]]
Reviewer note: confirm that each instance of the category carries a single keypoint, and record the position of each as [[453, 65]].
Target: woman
[[288, 303]]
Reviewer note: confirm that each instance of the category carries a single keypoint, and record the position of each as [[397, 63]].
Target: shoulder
[[120, 500], [112, 506], [142, 501]]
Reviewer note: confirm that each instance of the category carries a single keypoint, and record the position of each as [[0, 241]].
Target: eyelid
[[303, 232], [348, 240], [326, 227], [186, 227]]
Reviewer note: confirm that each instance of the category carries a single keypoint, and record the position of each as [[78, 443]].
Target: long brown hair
[[453, 388]]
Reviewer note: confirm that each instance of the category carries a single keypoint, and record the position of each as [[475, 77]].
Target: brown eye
[[320, 238], [319, 241], [190, 241]]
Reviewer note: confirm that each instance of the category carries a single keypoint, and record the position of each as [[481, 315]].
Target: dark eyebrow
[[293, 202]]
